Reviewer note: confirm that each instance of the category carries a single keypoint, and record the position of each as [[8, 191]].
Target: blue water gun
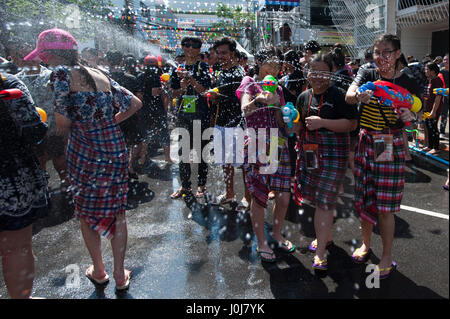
[[290, 115], [441, 91]]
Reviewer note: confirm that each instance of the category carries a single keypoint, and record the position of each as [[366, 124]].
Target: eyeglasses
[[385, 54], [194, 45]]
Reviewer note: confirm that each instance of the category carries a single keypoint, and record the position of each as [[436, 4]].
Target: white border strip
[[423, 211]]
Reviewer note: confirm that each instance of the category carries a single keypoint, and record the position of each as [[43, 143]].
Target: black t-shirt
[[126, 80], [341, 79], [370, 116], [200, 71], [229, 112], [148, 80], [333, 105], [294, 82]]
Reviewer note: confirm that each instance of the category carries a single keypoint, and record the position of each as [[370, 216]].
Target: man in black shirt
[[189, 83], [153, 113], [129, 127], [228, 116]]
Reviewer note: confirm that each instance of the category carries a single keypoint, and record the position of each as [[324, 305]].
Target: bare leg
[[228, 171], [323, 225], [18, 262], [257, 217], [119, 247], [94, 245], [366, 229], [387, 229], [279, 214], [247, 195]]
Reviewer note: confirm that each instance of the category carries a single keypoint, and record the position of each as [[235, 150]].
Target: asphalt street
[[179, 249]]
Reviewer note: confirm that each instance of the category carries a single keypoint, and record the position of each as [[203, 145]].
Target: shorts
[[131, 130], [227, 150], [155, 129], [9, 223]]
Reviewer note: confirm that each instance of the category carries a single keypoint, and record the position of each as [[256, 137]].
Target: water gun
[[290, 115], [165, 77], [441, 91], [10, 94], [270, 84], [208, 95], [42, 114], [390, 94]]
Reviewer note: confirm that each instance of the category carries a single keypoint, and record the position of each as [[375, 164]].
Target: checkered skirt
[[259, 185], [321, 186], [378, 185], [97, 163]]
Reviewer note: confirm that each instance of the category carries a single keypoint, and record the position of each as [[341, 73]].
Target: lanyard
[[309, 107]]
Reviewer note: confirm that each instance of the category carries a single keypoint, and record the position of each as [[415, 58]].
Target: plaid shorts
[[260, 185], [321, 186], [378, 185]]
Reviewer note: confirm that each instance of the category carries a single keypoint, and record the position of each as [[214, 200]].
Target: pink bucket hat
[[53, 39]]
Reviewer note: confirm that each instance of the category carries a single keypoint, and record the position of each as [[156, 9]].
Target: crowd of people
[[106, 113]]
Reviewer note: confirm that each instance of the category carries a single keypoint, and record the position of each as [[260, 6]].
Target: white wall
[[417, 41]]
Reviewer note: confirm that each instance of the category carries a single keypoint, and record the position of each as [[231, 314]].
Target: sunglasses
[[194, 45]]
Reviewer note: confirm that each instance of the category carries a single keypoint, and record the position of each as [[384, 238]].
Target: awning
[[241, 49]]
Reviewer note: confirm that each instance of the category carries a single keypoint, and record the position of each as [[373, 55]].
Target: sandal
[[388, 269], [243, 205], [284, 246], [179, 193], [320, 264], [103, 281], [201, 190], [127, 282], [267, 260], [222, 199], [313, 246], [361, 258]]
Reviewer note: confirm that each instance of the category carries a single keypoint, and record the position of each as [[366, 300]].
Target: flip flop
[[388, 269], [320, 264], [95, 281], [179, 193], [284, 246], [267, 260], [127, 282], [200, 193], [313, 246], [445, 187], [222, 200], [361, 258], [243, 205]]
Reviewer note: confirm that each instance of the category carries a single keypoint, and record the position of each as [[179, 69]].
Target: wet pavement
[[183, 249]]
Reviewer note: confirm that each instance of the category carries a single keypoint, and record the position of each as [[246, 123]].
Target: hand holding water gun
[[390, 94], [290, 115], [441, 91]]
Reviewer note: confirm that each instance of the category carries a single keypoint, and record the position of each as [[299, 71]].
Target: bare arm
[[338, 126], [135, 105]]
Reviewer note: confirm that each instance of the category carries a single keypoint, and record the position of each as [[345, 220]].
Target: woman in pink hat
[[89, 108]]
